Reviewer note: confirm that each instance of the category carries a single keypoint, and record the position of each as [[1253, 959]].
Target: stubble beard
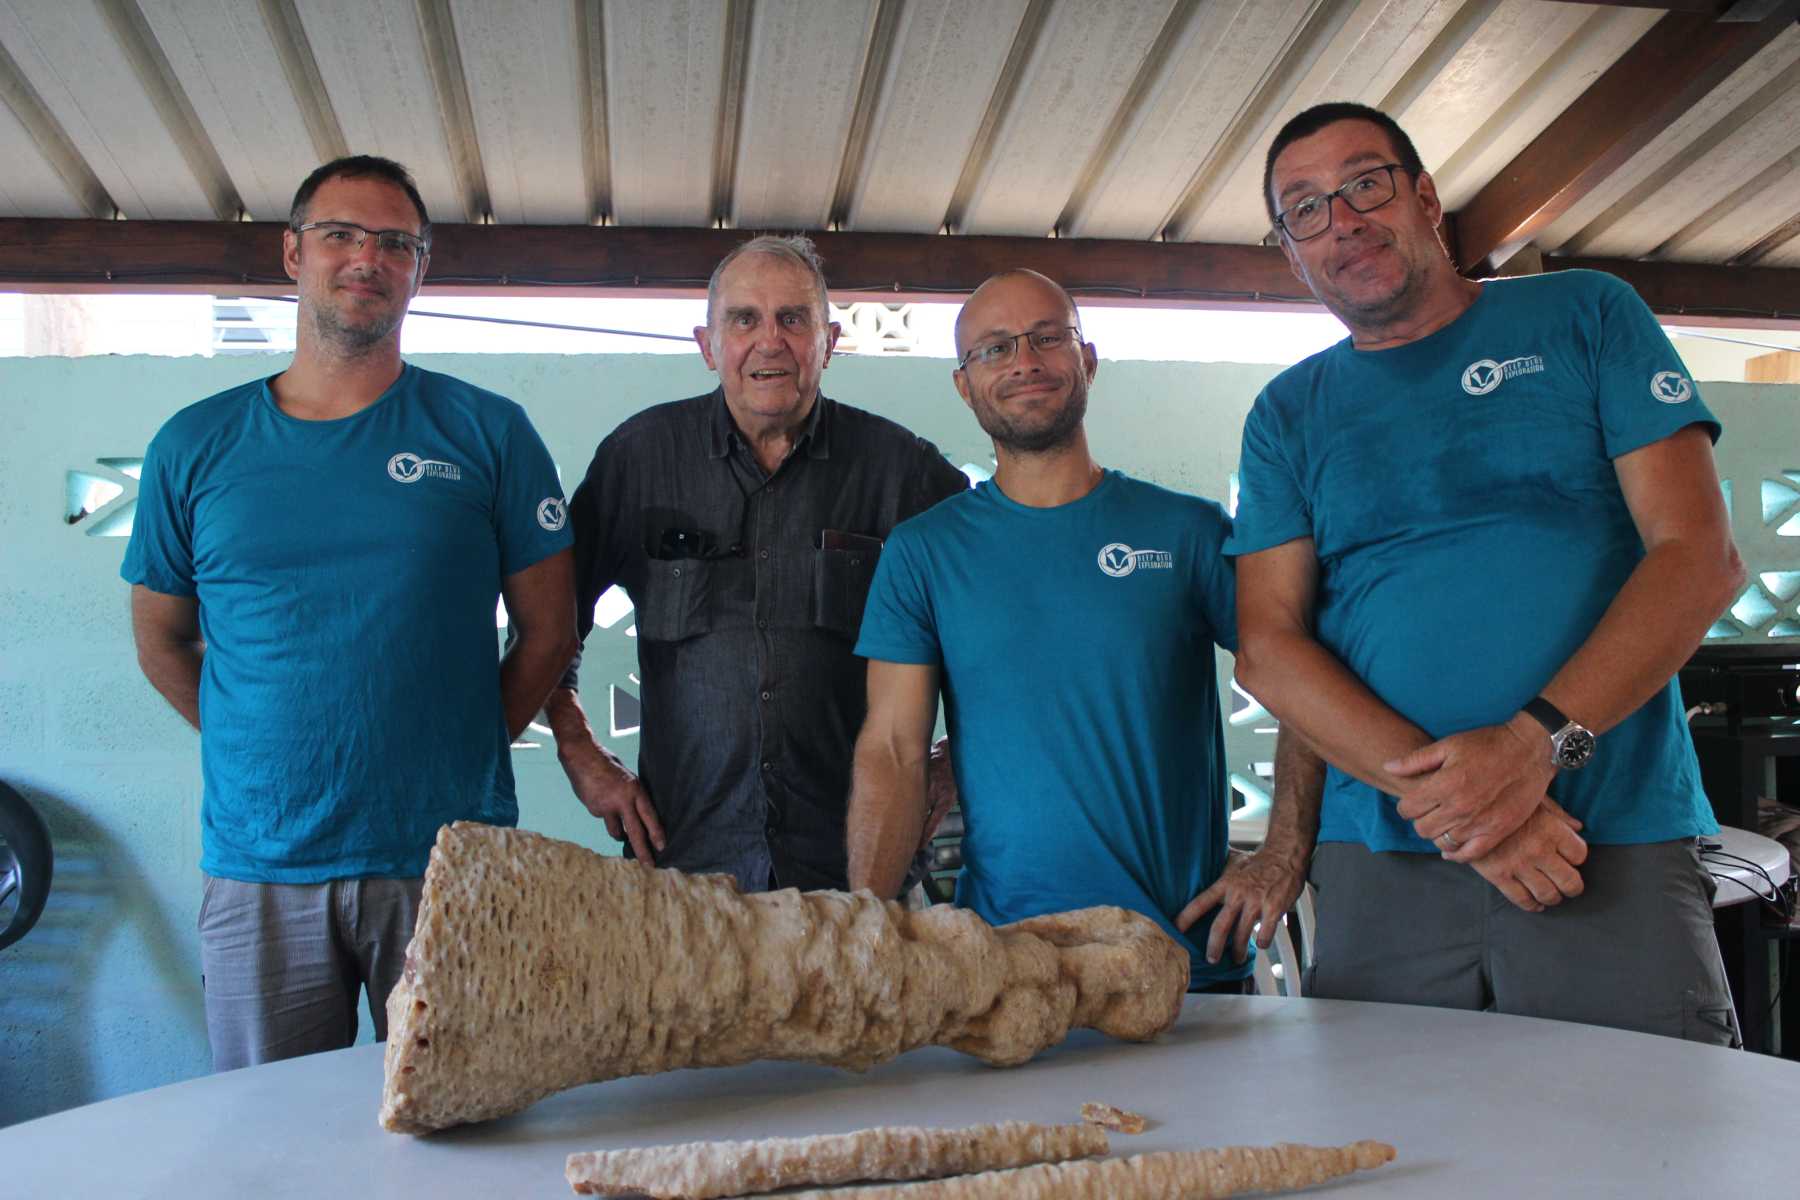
[[1379, 311], [352, 340], [1057, 433]]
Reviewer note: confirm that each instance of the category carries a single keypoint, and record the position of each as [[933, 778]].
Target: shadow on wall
[[60, 1013]]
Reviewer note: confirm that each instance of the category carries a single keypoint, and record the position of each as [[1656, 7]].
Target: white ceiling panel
[[664, 75], [63, 49], [1577, 226], [1083, 66], [371, 56], [1741, 219], [1787, 256], [799, 94], [1727, 167], [1225, 53], [1368, 53], [1544, 69], [1499, 55], [227, 67], [1133, 119], [30, 186], [947, 57], [524, 75]]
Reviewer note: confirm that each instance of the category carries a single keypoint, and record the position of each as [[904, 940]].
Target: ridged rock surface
[[1167, 1175], [537, 965], [709, 1170]]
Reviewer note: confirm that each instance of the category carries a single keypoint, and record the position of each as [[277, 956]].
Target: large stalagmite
[[538, 965]]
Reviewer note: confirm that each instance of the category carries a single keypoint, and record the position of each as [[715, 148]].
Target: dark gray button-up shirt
[[749, 592]]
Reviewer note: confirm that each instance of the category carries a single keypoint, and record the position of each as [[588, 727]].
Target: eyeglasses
[[396, 244], [1364, 193], [1000, 350]]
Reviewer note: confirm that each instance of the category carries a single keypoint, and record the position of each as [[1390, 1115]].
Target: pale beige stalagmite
[[706, 1170], [1169, 1175], [538, 965]]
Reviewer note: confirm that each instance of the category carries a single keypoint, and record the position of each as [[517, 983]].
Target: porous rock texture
[[708, 1170], [538, 965], [1108, 1117], [1168, 1175]]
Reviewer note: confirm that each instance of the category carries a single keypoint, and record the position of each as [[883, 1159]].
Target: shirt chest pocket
[[843, 569], [676, 602]]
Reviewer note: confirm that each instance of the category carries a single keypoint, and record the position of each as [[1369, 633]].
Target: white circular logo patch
[[1117, 560], [406, 467], [551, 514], [1482, 376], [1671, 387]]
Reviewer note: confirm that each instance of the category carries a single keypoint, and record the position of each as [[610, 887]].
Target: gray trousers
[[282, 964], [1636, 950]]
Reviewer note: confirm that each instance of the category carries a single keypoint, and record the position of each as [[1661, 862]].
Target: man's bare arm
[[887, 794], [1285, 667], [1291, 674], [606, 787], [1257, 889], [540, 602], [1689, 573], [169, 648]]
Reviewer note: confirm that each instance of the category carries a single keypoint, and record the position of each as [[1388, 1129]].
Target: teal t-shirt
[[347, 573], [1076, 654], [1470, 529]]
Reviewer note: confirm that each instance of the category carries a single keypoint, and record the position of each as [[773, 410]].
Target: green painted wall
[[104, 996]]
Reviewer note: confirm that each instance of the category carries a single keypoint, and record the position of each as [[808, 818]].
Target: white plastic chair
[[1280, 968]]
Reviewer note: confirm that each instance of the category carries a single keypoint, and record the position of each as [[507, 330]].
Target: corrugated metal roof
[[1136, 119]]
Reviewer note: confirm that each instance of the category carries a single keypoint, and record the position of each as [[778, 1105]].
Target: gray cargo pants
[[1636, 950], [283, 964]]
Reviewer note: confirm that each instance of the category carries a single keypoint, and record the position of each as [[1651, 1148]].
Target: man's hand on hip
[[611, 792], [1536, 867], [1254, 889], [1473, 790]]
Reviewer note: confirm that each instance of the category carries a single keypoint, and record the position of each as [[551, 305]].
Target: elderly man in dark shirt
[[745, 524]]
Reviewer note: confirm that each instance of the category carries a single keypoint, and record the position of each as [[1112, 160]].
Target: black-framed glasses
[[1363, 193], [998, 350], [348, 235]]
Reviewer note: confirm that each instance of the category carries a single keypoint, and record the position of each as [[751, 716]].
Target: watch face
[[1574, 747]]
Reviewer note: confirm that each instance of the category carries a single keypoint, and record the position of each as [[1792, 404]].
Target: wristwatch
[[1571, 745]]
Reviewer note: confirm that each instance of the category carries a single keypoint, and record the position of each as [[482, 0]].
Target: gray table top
[[1479, 1105]]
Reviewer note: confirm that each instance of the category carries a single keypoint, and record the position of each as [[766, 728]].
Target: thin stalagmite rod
[[708, 1170], [1166, 1175]]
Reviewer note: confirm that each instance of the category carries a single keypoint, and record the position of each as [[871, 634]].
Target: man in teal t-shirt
[[315, 563], [1474, 543], [1069, 615]]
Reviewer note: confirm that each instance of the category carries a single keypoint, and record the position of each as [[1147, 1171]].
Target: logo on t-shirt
[[407, 467], [1484, 374], [1119, 560], [1671, 387], [551, 513]]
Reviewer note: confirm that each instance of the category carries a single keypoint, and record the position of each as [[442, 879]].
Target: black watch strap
[[1546, 714]]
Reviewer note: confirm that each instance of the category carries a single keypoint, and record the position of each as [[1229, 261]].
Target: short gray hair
[[794, 248]]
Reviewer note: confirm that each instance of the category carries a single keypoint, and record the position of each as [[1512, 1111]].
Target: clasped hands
[[1481, 798]]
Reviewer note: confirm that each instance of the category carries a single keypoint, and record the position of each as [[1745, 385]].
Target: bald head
[[1007, 291]]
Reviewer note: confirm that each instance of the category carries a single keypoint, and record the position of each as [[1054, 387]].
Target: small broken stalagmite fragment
[[1169, 1175], [538, 965], [1108, 1117], [705, 1170]]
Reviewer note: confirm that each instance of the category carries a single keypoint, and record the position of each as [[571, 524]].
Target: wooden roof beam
[[245, 257], [233, 257], [1682, 58]]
